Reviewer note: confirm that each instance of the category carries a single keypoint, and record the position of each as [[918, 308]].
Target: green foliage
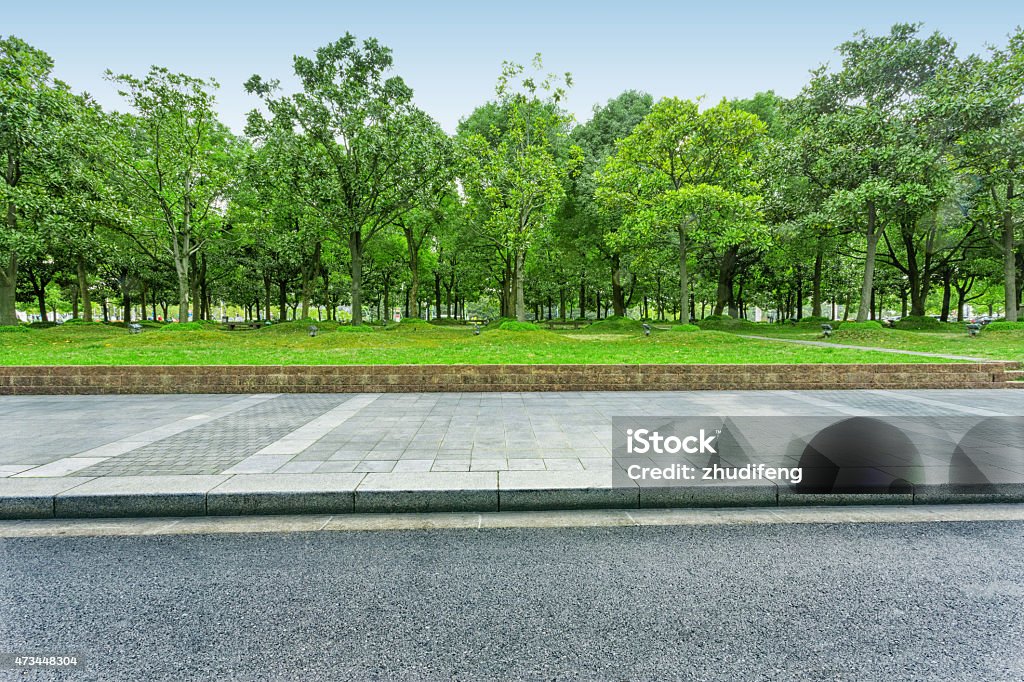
[[78, 322], [1003, 326], [184, 327], [815, 322], [685, 328], [615, 325], [725, 323], [516, 326], [851, 326], [919, 323], [14, 328]]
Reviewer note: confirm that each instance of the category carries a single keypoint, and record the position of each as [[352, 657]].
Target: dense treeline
[[890, 182]]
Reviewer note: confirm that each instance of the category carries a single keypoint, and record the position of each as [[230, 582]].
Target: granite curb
[[311, 494]]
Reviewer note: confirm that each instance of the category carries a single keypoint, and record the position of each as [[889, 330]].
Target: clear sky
[[450, 52]]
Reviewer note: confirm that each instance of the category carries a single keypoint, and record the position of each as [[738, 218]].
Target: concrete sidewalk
[[195, 455]]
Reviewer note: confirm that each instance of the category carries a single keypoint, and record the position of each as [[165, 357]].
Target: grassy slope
[[402, 344], [994, 345]]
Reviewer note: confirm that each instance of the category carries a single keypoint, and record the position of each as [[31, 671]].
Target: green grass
[[991, 344], [403, 344]]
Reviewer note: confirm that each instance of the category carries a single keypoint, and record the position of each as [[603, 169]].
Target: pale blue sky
[[451, 52]]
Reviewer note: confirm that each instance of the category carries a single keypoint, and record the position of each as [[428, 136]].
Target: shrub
[[685, 328], [918, 323], [447, 322], [724, 322], [852, 326], [513, 326], [14, 328], [496, 324], [77, 322], [183, 327], [42, 325], [615, 325], [1003, 326]]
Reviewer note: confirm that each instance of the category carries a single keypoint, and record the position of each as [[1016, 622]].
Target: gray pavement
[[921, 601], [202, 454]]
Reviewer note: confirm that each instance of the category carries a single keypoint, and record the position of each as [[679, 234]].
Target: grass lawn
[[992, 345], [413, 343]]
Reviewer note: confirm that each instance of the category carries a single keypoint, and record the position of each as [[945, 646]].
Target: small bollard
[[973, 328], [826, 331], [135, 328], [647, 329], [313, 330], [476, 330]]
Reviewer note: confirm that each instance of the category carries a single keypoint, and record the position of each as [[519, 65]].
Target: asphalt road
[[921, 601]]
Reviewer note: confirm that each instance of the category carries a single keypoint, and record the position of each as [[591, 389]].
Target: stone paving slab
[[453, 452]]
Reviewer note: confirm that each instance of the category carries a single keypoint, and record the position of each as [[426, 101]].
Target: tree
[[382, 152], [173, 162], [684, 174], [858, 125], [33, 109], [515, 177], [582, 223]]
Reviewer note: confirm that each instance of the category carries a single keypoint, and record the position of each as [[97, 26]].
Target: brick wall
[[406, 378]]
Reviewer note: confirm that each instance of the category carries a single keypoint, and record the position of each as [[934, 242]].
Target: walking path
[[829, 344], [195, 455]]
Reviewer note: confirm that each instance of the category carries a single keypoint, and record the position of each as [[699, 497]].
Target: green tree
[[382, 152], [34, 108], [515, 178], [173, 162], [684, 174]]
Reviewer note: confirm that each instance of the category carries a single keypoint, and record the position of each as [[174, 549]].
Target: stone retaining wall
[[106, 379]]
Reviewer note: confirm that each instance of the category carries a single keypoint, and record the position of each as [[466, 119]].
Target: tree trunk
[[684, 284], [1009, 257], [867, 286], [726, 272], [308, 274], [583, 298], [83, 287], [282, 299], [266, 297], [355, 247], [816, 284], [40, 292], [946, 295], [520, 294], [437, 294], [194, 300], [618, 299], [8, 283]]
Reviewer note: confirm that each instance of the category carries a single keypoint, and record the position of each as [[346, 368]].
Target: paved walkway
[[206, 454], [898, 351]]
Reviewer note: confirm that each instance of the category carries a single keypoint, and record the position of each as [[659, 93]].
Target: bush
[[685, 328], [852, 326], [183, 327], [447, 322], [615, 325], [918, 323], [78, 322], [724, 323], [14, 328], [496, 324], [42, 325], [1003, 326], [513, 326], [815, 322]]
